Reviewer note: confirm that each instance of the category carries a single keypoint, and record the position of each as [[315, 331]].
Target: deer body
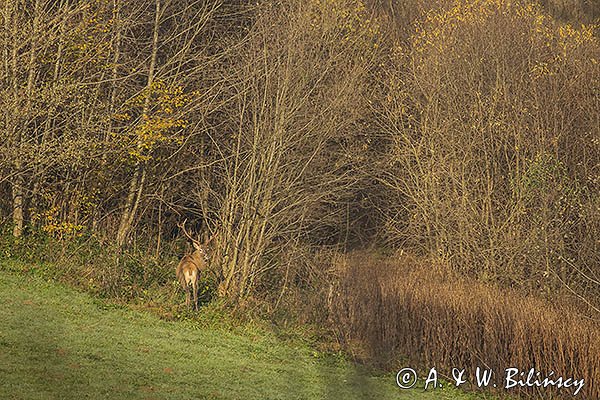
[[188, 273], [190, 267]]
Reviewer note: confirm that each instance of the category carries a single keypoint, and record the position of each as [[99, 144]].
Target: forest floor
[[57, 343]]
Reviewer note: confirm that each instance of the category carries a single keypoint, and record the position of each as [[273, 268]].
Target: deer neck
[[198, 259]]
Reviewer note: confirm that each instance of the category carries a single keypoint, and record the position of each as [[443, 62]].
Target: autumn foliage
[[464, 131]]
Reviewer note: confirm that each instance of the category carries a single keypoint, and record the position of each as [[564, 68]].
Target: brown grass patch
[[405, 311]]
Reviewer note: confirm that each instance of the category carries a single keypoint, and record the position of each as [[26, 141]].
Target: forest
[[419, 178]]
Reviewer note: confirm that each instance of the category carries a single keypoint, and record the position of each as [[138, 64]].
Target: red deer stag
[[191, 265]]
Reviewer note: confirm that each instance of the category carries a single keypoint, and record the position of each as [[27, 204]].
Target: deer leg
[[195, 289], [187, 295]]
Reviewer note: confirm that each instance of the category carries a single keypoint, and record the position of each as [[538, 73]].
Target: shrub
[[493, 115]]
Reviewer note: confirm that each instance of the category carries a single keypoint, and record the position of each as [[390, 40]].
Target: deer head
[[200, 247]]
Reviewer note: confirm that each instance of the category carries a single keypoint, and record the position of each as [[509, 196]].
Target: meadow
[[57, 343]]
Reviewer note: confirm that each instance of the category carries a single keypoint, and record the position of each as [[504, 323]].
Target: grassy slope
[[56, 343]]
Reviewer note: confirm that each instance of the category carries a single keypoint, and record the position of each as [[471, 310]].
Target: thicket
[[464, 131]]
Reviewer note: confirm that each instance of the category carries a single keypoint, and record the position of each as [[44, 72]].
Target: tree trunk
[[136, 185], [18, 190], [17, 195]]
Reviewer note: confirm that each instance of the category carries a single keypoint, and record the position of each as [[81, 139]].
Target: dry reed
[[402, 310]]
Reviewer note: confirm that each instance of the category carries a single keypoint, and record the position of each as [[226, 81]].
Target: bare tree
[[297, 94]]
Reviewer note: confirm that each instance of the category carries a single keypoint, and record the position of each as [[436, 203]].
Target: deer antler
[[185, 232], [211, 238]]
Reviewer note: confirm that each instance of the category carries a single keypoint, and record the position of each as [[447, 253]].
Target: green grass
[[56, 343]]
